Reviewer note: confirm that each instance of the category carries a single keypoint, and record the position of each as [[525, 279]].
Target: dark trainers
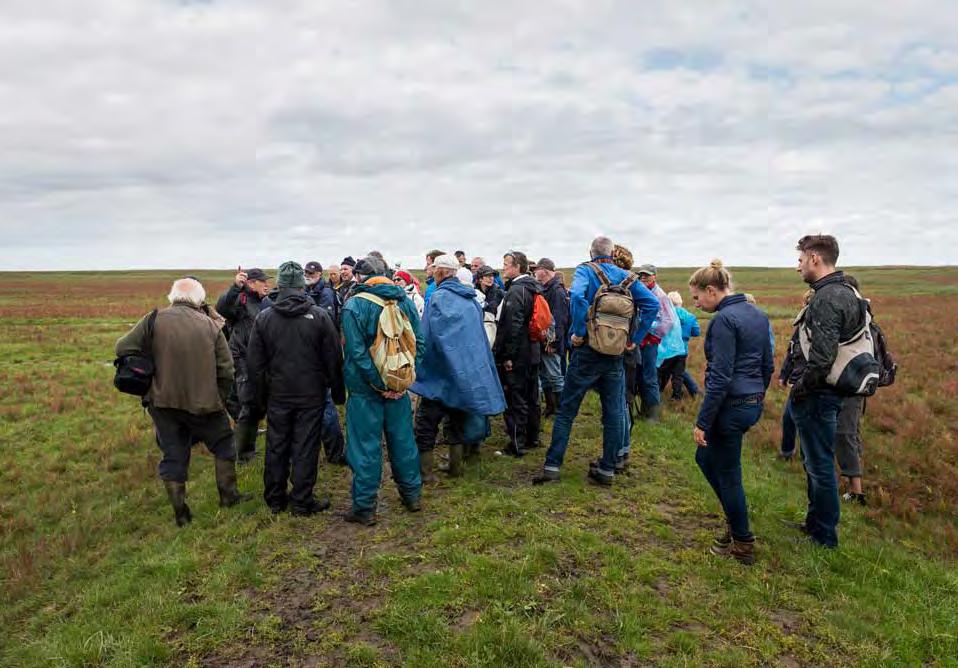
[[544, 476], [599, 478], [314, 506], [622, 463], [277, 508], [366, 519]]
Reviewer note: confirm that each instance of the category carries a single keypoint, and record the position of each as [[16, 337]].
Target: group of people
[[418, 364]]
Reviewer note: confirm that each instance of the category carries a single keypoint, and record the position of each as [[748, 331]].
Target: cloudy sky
[[156, 133]]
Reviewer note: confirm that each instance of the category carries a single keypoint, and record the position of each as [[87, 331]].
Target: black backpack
[[134, 373], [887, 366]]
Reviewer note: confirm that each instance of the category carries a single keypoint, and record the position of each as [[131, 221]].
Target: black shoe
[[854, 498], [512, 451], [546, 476], [782, 457], [533, 445], [412, 505], [622, 463], [277, 509], [798, 526], [314, 506], [367, 520], [598, 478]]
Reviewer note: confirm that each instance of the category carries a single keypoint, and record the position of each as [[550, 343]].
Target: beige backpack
[[609, 320], [394, 350]]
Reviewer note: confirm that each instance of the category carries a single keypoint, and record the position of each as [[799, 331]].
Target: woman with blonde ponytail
[[739, 365]]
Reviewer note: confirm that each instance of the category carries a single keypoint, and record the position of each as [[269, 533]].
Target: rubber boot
[[244, 436], [472, 453], [226, 484], [425, 467], [550, 405], [455, 460], [176, 491]]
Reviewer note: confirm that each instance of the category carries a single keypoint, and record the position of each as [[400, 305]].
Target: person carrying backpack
[[835, 317], [604, 302], [383, 340], [518, 355]]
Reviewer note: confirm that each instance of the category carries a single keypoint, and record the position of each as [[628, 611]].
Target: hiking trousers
[[368, 417]]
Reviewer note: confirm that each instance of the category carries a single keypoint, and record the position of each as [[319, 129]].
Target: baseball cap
[[257, 274], [313, 267]]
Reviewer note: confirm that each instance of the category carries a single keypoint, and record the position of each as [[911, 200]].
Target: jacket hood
[[293, 305], [383, 291], [527, 282], [453, 285]]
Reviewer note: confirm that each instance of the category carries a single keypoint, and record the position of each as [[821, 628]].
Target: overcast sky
[[155, 133]]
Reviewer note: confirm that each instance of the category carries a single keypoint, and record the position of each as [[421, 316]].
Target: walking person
[[295, 365], [739, 367], [834, 315], [604, 301], [372, 408], [551, 375], [193, 376], [239, 305]]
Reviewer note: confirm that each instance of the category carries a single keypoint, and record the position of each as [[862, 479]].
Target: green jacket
[[194, 368], [360, 321]]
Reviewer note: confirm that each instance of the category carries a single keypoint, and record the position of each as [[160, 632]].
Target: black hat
[[485, 270], [256, 274], [313, 267], [349, 261]]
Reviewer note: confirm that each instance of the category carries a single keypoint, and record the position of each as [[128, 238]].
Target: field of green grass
[[494, 571]]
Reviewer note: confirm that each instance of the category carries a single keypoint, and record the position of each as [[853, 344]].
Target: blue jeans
[[649, 376], [589, 369], [721, 462], [816, 417], [550, 373], [787, 448], [691, 387]]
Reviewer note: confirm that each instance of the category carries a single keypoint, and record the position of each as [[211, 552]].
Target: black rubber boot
[[244, 436], [455, 460], [472, 453], [176, 491], [226, 484], [367, 520]]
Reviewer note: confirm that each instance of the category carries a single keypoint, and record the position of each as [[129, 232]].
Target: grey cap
[[647, 269]]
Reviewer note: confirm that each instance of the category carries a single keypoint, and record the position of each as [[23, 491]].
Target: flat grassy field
[[494, 571]]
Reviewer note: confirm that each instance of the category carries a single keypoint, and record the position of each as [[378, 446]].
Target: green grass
[[494, 571]]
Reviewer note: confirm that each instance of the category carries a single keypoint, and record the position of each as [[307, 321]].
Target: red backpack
[[540, 322]]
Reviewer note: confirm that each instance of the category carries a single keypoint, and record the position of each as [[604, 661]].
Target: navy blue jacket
[[558, 298], [738, 356], [325, 298]]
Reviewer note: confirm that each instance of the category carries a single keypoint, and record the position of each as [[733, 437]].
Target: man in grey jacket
[[187, 400], [833, 315]]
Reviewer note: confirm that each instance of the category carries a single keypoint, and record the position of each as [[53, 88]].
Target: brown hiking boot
[[740, 550]]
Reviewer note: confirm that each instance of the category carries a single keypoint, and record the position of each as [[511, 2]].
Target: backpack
[[540, 321], [887, 365], [134, 373], [394, 349], [855, 371], [609, 319]]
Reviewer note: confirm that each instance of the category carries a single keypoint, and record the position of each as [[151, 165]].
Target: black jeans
[[523, 414], [461, 427], [292, 453], [673, 369], [177, 431]]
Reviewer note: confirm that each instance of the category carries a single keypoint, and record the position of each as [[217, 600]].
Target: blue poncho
[[457, 368]]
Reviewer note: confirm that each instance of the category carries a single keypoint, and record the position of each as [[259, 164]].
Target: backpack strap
[[148, 341], [378, 301], [629, 280], [594, 266]]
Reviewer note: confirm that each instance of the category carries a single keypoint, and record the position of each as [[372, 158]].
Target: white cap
[[465, 276], [446, 262]]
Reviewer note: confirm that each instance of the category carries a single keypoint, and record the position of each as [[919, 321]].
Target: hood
[[382, 290], [453, 285], [526, 282], [293, 305]]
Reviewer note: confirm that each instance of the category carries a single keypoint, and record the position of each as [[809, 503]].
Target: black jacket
[[240, 307], [835, 314], [558, 298], [294, 355], [512, 335], [493, 297], [793, 366]]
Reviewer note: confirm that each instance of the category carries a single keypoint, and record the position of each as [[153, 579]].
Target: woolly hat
[[349, 261], [290, 275]]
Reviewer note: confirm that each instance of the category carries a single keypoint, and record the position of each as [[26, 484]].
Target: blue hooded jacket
[[690, 326], [457, 368]]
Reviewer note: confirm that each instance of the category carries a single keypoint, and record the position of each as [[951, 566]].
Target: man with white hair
[[193, 375]]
